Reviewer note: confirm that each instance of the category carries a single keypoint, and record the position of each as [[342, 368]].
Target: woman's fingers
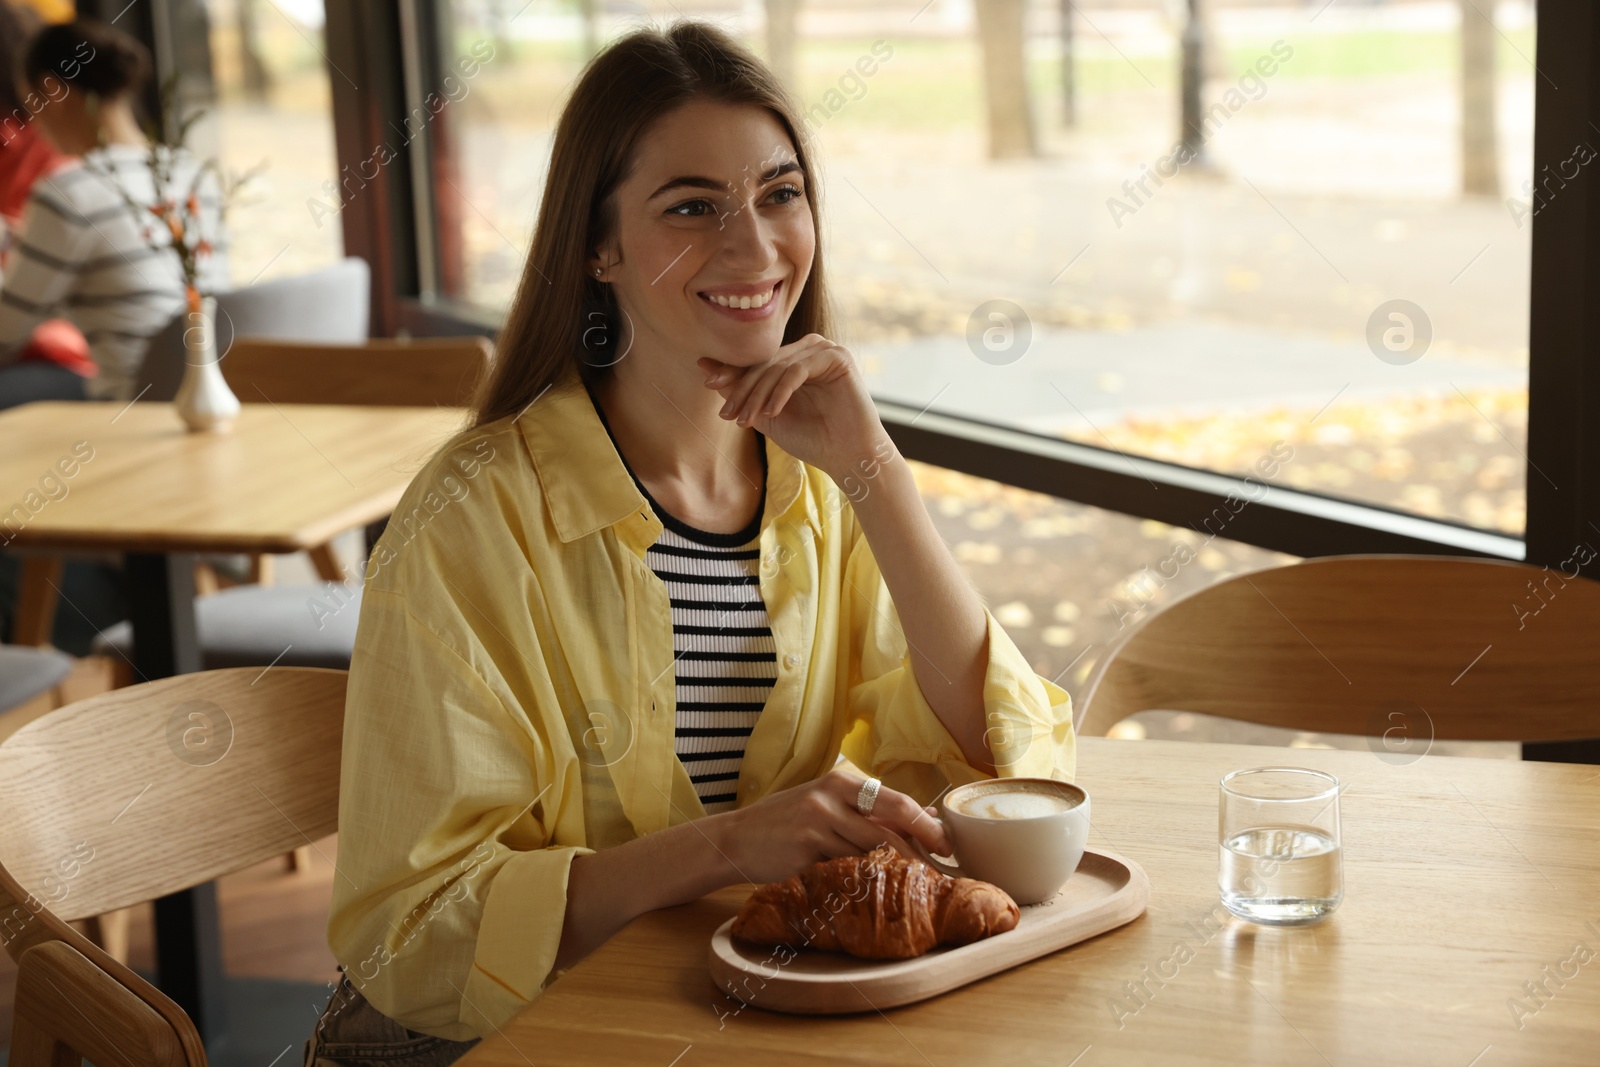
[[788, 382], [867, 834], [834, 844], [911, 819], [758, 385], [898, 813], [760, 402], [742, 389], [764, 389]]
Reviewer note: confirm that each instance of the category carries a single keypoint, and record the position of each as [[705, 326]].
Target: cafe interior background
[[1122, 380]]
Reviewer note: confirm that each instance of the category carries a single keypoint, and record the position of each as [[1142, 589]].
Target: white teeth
[[742, 302]]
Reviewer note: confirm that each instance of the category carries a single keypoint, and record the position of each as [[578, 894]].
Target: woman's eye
[[789, 194], [692, 209]]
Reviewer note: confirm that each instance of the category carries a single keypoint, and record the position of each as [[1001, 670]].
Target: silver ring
[[868, 796]]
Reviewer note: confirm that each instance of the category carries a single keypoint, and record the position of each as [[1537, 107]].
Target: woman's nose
[[748, 239]]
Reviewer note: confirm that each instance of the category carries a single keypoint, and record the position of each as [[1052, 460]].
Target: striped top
[[724, 657], [80, 255]]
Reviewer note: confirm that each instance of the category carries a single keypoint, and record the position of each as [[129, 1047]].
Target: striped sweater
[[80, 255]]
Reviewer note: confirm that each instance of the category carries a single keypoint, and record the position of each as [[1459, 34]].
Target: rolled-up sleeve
[[895, 734], [450, 897]]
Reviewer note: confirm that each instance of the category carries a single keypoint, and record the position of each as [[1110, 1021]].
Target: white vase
[[204, 401]]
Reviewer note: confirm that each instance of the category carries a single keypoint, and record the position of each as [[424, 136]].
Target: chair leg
[[261, 569], [110, 932], [327, 563], [32, 1046], [36, 600], [121, 673], [298, 859], [206, 580]]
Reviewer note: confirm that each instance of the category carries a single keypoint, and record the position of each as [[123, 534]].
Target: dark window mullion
[[1564, 327]]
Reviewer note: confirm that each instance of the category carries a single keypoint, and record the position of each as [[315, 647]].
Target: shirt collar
[[587, 487]]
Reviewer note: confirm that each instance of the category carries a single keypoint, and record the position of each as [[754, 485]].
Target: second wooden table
[[130, 478]]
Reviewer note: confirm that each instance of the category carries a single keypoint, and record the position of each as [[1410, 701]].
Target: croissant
[[880, 906]]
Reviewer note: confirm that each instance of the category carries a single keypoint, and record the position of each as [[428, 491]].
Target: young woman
[[81, 251], [618, 634]]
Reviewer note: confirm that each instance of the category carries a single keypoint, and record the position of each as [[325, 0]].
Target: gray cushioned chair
[[254, 625], [331, 305], [27, 672]]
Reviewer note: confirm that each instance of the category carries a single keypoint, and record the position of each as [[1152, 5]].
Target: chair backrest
[[135, 794], [416, 373], [331, 304], [1487, 650], [68, 1007], [140, 792]]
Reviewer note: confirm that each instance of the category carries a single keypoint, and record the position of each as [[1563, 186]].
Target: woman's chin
[[751, 353]]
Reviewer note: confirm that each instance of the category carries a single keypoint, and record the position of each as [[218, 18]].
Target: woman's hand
[[809, 398], [784, 833]]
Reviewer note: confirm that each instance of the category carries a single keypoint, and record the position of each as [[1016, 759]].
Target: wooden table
[[1464, 880], [130, 478]]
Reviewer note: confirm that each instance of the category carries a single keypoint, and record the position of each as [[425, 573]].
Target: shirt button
[[791, 660]]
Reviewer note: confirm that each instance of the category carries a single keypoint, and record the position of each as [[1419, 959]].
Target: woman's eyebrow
[[689, 182], [695, 181]]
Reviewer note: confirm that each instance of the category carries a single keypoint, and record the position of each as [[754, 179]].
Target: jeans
[[25, 382], [352, 1033]]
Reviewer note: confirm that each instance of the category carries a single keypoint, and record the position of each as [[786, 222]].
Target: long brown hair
[[561, 316]]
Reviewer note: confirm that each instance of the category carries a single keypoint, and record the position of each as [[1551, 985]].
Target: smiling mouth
[[745, 302]]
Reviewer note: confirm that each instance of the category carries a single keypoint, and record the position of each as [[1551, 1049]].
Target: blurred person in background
[[82, 251], [25, 157]]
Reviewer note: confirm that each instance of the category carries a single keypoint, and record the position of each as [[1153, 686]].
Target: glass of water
[[1279, 835]]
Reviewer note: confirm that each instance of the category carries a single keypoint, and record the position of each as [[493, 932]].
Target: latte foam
[[1018, 802]]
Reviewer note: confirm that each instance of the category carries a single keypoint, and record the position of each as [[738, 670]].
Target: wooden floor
[[274, 925]]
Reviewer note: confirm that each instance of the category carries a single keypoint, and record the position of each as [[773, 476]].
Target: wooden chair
[[135, 794], [1466, 649], [421, 372], [424, 372]]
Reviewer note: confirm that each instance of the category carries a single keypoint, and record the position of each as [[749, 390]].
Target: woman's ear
[[602, 262]]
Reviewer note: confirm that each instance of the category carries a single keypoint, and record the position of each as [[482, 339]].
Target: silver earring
[[597, 272]]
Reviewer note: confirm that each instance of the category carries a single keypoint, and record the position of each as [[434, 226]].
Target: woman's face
[[716, 215]]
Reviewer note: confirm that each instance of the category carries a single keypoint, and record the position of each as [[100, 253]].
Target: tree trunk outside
[[1480, 164], [1193, 79], [257, 78], [782, 37], [1069, 77], [1002, 39]]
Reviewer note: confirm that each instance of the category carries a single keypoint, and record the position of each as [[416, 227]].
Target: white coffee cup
[[1025, 835]]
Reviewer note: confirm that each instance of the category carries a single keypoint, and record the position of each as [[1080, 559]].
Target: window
[[514, 63], [258, 66], [1342, 270]]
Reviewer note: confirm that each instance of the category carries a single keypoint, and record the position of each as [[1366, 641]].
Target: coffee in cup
[[1025, 835], [1016, 799]]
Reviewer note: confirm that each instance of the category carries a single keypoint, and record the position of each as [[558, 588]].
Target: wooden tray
[[1104, 893]]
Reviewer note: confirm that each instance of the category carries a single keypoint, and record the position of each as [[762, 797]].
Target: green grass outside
[[935, 84]]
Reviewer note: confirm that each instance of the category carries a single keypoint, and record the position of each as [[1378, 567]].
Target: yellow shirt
[[511, 703]]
